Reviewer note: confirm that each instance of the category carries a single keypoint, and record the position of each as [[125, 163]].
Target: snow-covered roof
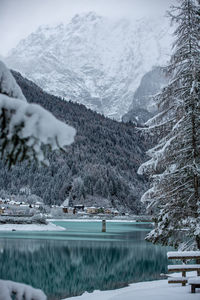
[[66, 202], [12, 202], [39, 202]]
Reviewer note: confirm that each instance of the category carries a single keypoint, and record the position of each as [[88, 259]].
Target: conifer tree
[[174, 167]]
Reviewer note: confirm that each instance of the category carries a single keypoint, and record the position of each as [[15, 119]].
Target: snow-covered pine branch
[[27, 130], [20, 291], [174, 167]]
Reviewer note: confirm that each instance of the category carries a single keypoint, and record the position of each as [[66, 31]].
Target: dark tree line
[[103, 161]]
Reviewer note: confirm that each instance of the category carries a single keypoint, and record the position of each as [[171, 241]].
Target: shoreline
[[94, 217], [53, 227], [151, 290], [92, 220], [31, 227]]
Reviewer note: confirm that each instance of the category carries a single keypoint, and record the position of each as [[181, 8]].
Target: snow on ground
[[31, 227], [151, 290], [91, 220], [50, 226]]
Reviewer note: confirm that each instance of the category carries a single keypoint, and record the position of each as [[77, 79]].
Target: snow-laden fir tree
[[174, 167], [26, 130]]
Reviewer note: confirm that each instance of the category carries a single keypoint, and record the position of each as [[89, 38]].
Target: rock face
[[93, 60], [143, 106]]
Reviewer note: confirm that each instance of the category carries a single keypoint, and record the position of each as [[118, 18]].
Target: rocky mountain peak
[[89, 17], [93, 60]]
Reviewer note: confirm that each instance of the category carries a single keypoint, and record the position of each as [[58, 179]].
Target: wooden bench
[[195, 283], [183, 269], [183, 256], [177, 280]]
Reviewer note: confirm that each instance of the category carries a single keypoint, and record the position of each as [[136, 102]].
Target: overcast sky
[[18, 18]]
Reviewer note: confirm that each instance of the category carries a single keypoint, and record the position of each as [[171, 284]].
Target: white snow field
[[150, 290], [31, 227]]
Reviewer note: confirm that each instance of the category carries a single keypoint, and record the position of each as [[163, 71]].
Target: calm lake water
[[82, 258]]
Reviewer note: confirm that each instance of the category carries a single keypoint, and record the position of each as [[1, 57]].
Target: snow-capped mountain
[[93, 60]]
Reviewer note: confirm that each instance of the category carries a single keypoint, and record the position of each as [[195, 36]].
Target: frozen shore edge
[[31, 227], [53, 227]]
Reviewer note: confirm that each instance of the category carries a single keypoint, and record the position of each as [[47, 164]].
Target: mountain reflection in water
[[64, 268]]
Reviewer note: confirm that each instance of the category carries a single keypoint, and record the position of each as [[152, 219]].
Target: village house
[[108, 211], [79, 207], [65, 207], [25, 191], [92, 210], [65, 210], [2, 210], [38, 204], [116, 213]]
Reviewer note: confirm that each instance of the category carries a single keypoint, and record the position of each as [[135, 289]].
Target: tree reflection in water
[[64, 268]]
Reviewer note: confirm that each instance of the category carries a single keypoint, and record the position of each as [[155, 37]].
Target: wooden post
[[192, 289], [183, 275], [198, 262], [103, 225]]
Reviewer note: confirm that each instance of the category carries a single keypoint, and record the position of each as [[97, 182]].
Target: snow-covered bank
[[92, 220], [151, 290], [31, 227]]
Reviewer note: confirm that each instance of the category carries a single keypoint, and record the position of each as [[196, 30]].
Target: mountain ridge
[[93, 60]]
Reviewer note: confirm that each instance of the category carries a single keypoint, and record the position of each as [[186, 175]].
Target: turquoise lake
[[82, 258]]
